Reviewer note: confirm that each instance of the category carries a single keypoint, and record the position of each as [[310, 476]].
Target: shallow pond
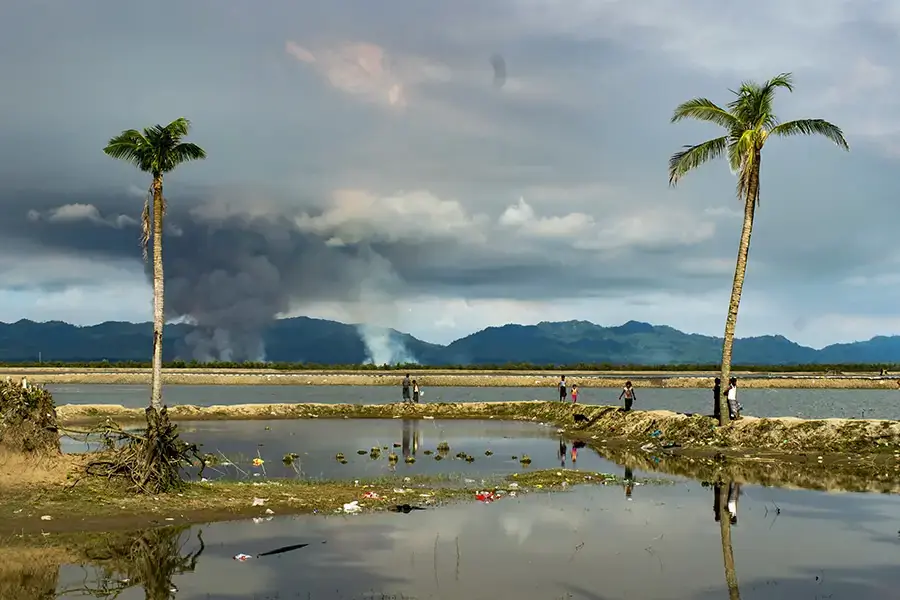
[[591, 543], [874, 404], [317, 442]]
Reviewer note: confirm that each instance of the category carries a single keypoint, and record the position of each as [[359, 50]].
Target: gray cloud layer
[[365, 154]]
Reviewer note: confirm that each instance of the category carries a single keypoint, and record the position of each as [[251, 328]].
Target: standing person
[[415, 392], [717, 395], [562, 388], [406, 388], [561, 453], [628, 393], [732, 398], [575, 393]]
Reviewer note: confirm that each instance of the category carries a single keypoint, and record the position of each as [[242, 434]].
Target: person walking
[[628, 394], [562, 388], [405, 385]]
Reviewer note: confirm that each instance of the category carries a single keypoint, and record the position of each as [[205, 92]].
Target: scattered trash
[[258, 462], [259, 501], [46, 518], [352, 507], [399, 491], [656, 433], [647, 447], [242, 557], [269, 511], [371, 495], [514, 485], [487, 497]]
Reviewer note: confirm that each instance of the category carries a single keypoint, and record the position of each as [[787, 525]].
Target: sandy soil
[[443, 379]]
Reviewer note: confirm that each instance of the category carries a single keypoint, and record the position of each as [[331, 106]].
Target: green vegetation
[[748, 121], [516, 367]]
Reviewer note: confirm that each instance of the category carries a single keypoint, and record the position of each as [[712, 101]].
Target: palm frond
[[182, 153], [703, 109], [692, 157], [130, 146], [812, 127], [178, 128]]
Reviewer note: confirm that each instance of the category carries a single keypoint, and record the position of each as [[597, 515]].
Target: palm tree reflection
[[725, 503], [412, 437]]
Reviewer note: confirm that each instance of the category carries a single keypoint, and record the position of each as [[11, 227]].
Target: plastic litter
[[487, 497], [371, 495], [259, 501], [352, 507], [242, 557]]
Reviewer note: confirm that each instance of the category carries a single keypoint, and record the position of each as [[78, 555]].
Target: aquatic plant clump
[[27, 419]]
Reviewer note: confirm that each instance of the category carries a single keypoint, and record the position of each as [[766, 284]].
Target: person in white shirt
[[733, 406]]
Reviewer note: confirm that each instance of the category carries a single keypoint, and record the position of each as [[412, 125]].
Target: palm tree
[[748, 121], [157, 150]]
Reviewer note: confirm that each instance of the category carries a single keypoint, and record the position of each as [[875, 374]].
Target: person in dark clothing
[[717, 395], [406, 384], [628, 393], [562, 389]]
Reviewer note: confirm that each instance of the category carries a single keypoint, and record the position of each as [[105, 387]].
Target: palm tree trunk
[[731, 581], [737, 287], [158, 295]]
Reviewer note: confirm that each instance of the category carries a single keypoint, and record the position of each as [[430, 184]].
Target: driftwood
[[151, 463]]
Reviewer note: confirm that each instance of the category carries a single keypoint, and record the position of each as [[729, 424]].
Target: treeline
[[286, 366]]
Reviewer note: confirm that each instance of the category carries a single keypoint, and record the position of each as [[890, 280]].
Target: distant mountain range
[[302, 339]]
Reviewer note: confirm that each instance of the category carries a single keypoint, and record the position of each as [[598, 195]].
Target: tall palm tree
[[748, 121], [157, 150]]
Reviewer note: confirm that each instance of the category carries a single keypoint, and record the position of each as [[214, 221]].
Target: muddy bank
[[58, 505], [784, 434], [431, 379], [811, 471]]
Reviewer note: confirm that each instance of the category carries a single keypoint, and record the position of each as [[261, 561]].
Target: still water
[[873, 404], [317, 442], [592, 543]]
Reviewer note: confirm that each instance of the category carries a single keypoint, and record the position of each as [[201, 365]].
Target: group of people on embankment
[[629, 396], [411, 393]]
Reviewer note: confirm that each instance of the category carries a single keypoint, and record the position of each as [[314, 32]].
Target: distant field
[[445, 378]]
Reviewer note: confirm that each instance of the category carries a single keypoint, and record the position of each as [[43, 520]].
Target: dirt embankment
[[784, 434], [432, 379]]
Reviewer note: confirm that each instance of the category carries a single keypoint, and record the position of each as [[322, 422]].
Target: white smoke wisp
[[384, 346]]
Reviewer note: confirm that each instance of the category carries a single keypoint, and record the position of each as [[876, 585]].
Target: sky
[[378, 163]]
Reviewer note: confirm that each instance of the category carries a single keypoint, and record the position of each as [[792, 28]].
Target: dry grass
[[473, 378], [18, 471]]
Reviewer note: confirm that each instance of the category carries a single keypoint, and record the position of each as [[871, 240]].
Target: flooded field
[[661, 542], [807, 403], [493, 448]]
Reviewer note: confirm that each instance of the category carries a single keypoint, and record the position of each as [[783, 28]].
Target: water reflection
[[412, 437], [628, 479], [725, 501], [148, 559]]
